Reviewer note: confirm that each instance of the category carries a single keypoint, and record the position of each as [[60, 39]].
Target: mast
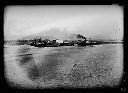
[[90, 37]]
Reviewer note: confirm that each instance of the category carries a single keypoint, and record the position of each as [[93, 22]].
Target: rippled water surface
[[64, 66]]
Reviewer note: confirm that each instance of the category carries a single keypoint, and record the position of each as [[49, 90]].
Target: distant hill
[[53, 34]]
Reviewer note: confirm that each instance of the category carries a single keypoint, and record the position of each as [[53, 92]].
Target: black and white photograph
[[63, 46]]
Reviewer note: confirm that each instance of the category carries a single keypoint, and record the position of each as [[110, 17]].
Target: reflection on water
[[76, 66]]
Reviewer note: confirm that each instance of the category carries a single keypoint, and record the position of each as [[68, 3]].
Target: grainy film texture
[[63, 46]]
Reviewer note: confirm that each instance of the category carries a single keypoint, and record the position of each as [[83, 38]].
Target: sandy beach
[[34, 67]]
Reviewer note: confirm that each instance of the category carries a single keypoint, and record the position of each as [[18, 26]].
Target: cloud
[[69, 24], [83, 20]]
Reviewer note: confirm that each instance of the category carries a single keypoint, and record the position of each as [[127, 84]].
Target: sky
[[99, 21]]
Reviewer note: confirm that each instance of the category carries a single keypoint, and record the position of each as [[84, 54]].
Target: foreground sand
[[32, 67]]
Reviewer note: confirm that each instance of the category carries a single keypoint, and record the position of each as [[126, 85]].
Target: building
[[59, 41]]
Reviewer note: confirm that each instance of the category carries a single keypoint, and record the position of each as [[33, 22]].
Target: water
[[69, 66]]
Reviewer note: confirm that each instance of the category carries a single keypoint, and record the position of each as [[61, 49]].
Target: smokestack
[[80, 36]]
